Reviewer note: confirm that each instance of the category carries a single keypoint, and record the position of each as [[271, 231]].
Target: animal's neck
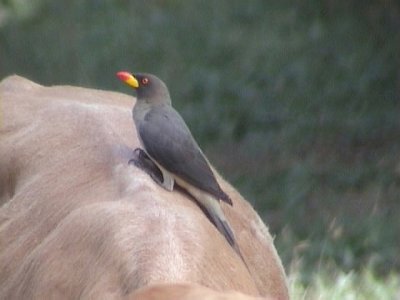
[[160, 100], [140, 109]]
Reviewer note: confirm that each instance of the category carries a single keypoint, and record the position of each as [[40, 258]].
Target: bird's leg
[[159, 174], [169, 181], [143, 162]]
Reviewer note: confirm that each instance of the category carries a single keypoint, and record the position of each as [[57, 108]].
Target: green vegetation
[[338, 286], [296, 103]]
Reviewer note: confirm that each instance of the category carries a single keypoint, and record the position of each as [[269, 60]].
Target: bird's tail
[[223, 227], [212, 208], [217, 217]]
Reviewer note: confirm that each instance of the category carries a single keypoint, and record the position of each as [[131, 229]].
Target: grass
[[339, 285]]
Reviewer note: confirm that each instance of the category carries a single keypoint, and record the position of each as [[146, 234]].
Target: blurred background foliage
[[295, 102]]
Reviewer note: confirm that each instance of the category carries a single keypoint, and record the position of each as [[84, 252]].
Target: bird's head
[[148, 87]]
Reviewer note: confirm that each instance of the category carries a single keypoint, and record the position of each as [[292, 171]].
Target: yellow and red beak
[[128, 78]]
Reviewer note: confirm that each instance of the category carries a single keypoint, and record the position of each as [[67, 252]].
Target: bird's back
[[168, 140]]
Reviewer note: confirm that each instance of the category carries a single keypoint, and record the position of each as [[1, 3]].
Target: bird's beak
[[128, 78]]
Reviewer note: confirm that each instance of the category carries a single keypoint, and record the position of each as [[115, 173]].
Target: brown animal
[[78, 221], [185, 291]]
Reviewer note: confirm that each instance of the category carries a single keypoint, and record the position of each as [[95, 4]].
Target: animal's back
[[78, 221]]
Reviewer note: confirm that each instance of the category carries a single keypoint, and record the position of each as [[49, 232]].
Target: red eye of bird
[[145, 80]]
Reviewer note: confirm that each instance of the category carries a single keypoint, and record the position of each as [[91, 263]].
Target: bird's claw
[[142, 161]]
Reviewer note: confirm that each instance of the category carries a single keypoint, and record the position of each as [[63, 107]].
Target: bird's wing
[[168, 140]]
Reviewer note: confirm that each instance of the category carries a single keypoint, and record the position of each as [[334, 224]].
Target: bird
[[169, 144]]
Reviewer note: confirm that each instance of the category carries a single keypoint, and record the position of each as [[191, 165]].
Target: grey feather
[[168, 140]]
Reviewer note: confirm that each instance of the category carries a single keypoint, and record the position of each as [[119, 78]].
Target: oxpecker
[[168, 142]]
